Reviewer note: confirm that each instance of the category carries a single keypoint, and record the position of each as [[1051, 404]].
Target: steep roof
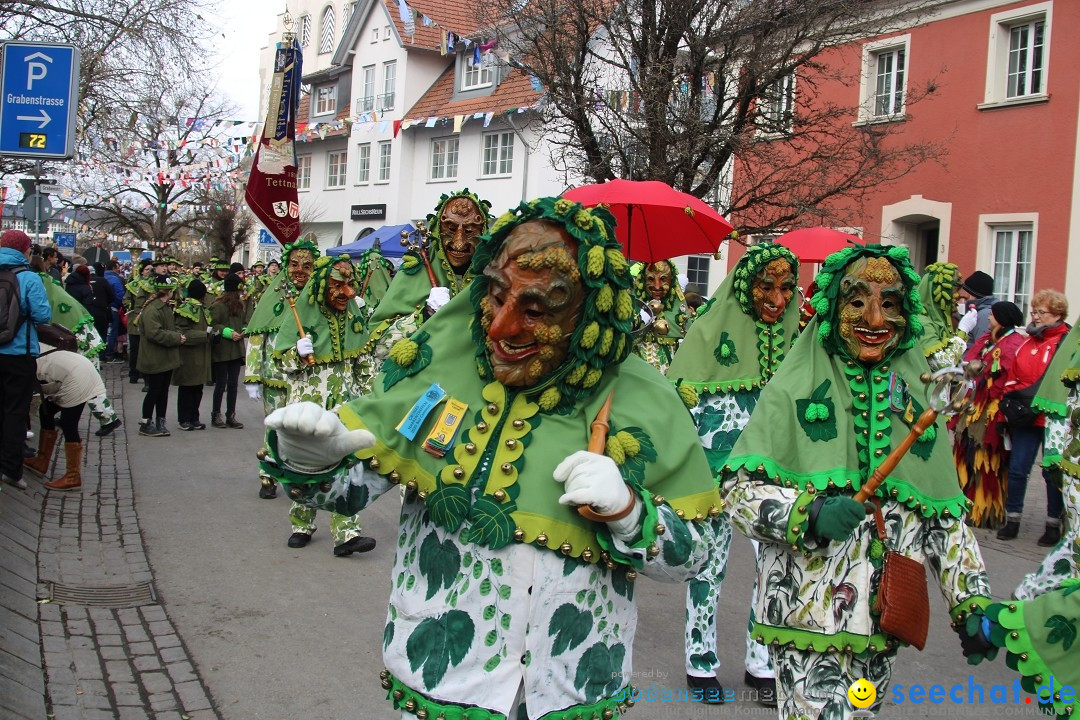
[[513, 92]]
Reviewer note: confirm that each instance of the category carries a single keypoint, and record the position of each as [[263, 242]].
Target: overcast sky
[[244, 26]]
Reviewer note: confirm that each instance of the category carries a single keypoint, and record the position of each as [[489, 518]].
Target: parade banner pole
[[271, 191]]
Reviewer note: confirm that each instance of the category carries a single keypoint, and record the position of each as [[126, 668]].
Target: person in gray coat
[[977, 292]]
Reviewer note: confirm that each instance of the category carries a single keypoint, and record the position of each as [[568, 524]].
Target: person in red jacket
[[1045, 331]]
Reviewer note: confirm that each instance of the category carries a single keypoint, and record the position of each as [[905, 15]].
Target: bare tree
[[685, 91], [122, 42], [225, 221]]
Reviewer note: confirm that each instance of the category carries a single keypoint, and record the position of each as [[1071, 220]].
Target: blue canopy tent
[[388, 237]]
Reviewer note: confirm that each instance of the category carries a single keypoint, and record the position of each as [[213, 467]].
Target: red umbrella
[[814, 244], [653, 220]]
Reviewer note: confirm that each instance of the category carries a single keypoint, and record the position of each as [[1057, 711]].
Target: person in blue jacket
[[18, 357], [112, 276]]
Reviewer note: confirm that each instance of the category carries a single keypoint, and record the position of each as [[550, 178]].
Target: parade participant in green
[[335, 333], [659, 282], [138, 290], [459, 219], [942, 344], [846, 394], [263, 379], [192, 321], [732, 350], [506, 600], [256, 282], [159, 353], [373, 274], [218, 270], [1058, 397]]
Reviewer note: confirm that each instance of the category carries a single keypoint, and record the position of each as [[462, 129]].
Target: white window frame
[[998, 55], [484, 77], [694, 272], [386, 33], [386, 100], [303, 172], [777, 104], [327, 36], [374, 35], [501, 164], [385, 159], [444, 156], [347, 13], [363, 163], [366, 101], [325, 99], [868, 82], [987, 255], [337, 163], [303, 27]]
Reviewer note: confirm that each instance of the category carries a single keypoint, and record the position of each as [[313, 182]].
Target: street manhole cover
[[112, 596]]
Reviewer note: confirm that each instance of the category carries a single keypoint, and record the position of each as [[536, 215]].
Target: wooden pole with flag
[[271, 188]]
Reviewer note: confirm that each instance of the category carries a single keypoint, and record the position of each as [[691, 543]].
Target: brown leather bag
[[902, 600]]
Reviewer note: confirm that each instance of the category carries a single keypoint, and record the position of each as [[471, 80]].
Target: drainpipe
[[528, 151]]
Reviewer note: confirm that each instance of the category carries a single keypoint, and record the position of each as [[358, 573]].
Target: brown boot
[[39, 464], [72, 479]]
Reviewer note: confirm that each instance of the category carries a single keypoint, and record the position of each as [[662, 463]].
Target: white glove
[[254, 390], [592, 479], [646, 316], [304, 347], [311, 439], [438, 297], [360, 302], [968, 322]]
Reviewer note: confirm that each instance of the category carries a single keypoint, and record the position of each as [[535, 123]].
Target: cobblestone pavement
[[81, 633]]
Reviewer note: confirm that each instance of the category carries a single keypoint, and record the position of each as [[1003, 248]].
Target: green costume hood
[[827, 421], [936, 289], [726, 349], [377, 271], [1060, 375], [409, 290], [335, 336]]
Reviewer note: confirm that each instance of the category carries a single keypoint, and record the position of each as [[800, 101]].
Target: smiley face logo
[[862, 693]]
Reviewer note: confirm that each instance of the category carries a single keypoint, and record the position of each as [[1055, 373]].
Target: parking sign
[[39, 94]]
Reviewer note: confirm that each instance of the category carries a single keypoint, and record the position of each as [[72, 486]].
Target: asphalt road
[[280, 633]]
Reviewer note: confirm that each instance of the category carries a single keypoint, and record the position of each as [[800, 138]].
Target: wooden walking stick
[[598, 432], [419, 246], [308, 360], [952, 393]]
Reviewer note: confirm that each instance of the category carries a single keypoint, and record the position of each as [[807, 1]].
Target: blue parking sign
[[39, 94]]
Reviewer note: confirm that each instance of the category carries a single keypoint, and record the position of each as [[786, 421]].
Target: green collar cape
[[726, 349], [270, 309], [193, 310], [936, 289], [827, 421], [410, 288], [373, 267], [1060, 375], [335, 336], [508, 431], [66, 310], [496, 481]]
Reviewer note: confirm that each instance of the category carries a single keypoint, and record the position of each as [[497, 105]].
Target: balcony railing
[[380, 103]]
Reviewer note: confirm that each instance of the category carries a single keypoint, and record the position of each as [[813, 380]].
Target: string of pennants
[[320, 131]]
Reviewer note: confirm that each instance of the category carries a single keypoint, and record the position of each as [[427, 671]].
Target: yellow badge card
[[442, 436]]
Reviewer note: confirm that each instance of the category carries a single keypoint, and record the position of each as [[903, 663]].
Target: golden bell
[[499, 495], [374, 463], [566, 548], [587, 555], [262, 454], [542, 538], [631, 575], [410, 705], [661, 528], [395, 476], [661, 327], [295, 493], [411, 485], [459, 472], [519, 534], [399, 694]]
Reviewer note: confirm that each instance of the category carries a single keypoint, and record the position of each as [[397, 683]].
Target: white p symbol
[[35, 71]]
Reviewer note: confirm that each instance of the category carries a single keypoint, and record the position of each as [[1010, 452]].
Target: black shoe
[[299, 539], [1051, 536], [186, 426], [134, 380], [268, 491], [765, 687], [27, 451], [108, 428], [147, 428], [357, 544], [217, 421], [1009, 530], [230, 421], [198, 426], [712, 692]]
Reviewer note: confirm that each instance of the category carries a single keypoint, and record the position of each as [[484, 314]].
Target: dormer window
[[325, 99], [475, 76]]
